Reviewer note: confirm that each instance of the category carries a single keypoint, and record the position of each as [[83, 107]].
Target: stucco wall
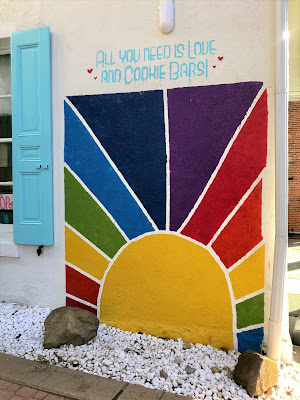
[[240, 36]]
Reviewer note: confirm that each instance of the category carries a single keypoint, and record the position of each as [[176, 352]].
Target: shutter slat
[[32, 141]]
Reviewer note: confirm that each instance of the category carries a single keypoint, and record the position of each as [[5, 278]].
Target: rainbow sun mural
[[163, 210]]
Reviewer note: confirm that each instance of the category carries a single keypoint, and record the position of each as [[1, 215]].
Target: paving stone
[[5, 394], [18, 398], [34, 398], [137, 392], [25, 391], [13, 387], [40, 395], [4, 384]]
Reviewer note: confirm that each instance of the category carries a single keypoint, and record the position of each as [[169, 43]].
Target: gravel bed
[[197, 371]]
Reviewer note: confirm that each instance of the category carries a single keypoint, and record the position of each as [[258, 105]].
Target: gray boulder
[[69, 325], [255, 372]]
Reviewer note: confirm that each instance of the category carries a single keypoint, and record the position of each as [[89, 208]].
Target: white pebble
[[136, 358]]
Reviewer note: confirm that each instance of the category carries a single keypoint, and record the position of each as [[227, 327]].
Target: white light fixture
[[166, 15]]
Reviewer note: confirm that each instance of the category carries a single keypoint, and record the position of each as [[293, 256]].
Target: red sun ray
[[74, 303], [81, 286], [243, 164], [243, 231]]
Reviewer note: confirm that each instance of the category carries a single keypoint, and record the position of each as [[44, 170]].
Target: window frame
[[5, 183], [7, 246]]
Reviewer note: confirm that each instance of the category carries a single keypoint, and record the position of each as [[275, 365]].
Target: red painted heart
[[90, 70], [214, 66], [220, 58], [95, 77]]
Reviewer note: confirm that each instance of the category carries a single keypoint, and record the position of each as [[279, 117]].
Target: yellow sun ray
[[248, 277], [84, 256]]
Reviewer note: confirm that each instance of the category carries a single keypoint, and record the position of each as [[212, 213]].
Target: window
[[25, 140], [6, 189]]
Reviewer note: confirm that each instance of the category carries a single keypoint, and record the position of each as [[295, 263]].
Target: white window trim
[[9, 249], [6, 228], [7, 246]]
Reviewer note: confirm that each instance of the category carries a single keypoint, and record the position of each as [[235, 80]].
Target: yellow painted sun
[[169, 285]]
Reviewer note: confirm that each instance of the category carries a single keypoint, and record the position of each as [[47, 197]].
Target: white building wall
[[244, 35]]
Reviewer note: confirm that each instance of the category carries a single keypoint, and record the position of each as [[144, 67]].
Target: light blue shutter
[[32, 142]]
